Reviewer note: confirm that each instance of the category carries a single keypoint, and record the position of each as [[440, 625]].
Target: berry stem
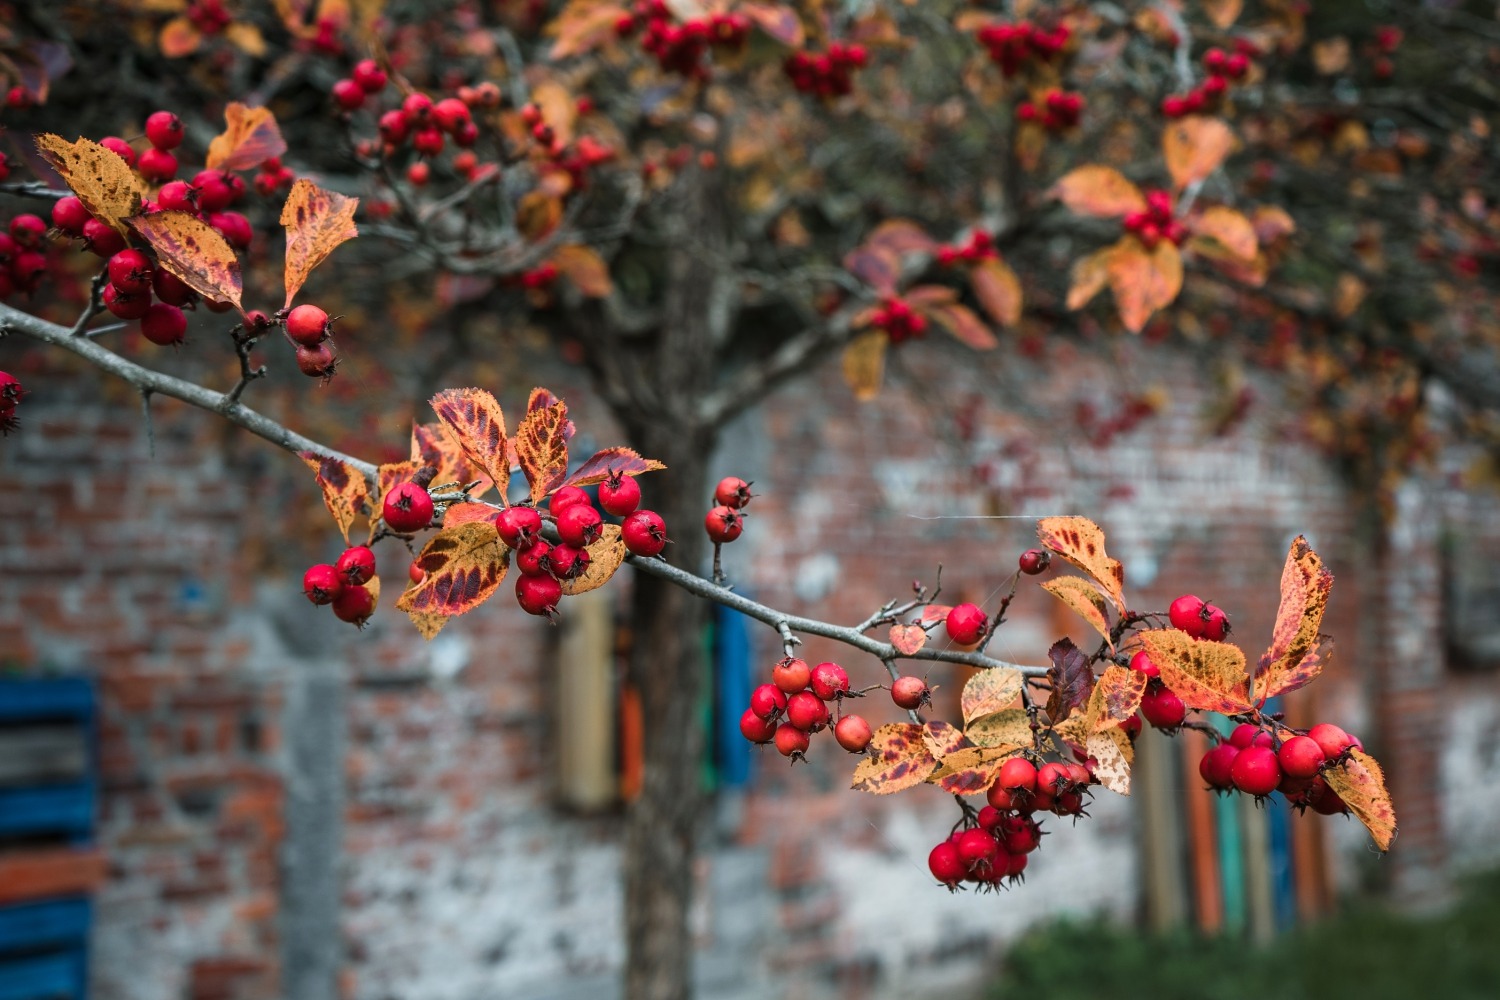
[[96, 303]]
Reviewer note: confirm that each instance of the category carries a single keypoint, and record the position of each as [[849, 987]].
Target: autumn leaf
[[1084, 598], [559, 108], [392, 474], [463, 566], [1206, 675], [1071, 678], [1194, 147], [908, 638], [1113, 756], [178, 38], [971, 770], [1223, 13], [537, 214], [250, 137], [582, 26], [864, 363], [878, 267], [1098, 191], [316, 222], [612, 461], [998, 290], [468, 513], [605, 556], [345, 491], [777, 20], [542, 447], [1293, 658], [585, 268], [961, 322], [474, 418], [428, 624], [1008, 729], [1081, 542], [194, 251], [1361, 784], [897, 759], [435, 445], [108, 188], [944, 738], [1230, 228], [1090, 275], [990, 691], [1143, 280], [1117, 697], [901, 236]]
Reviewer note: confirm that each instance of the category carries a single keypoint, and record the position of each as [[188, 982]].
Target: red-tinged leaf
[[901, 236], [1230, 228], [1250, 272], [877, 267], [972, 770], [463, 566], [1071, 678], [1272, 223], [1099, 191], [927, 296], [897, 759], [777, 20], [345, 491], [250, 138], [1223, 13], [428, 624], [612, 461], [1361, 784], [477, 424], [989, 692], [585, 268], [908, 638], [542, 448], [960, 321], [864, 364], [605, 557], [582, 26], [1142, 280], [1112, 755], [1293, 657], [194, 251], [1081, 542], [316, 222], [1194, 147], [998, 290], [1206, 675], [434, 445], [1084, 598], [944, 738], [1117, 696], [109, 189], [935, 613], [178, 38], [392, 474], [1007, 730], [470, 513]]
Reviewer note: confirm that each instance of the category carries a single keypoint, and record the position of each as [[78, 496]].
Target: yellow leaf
[[1117, 697], [1223, 13], [582, 26], [998, 290], [108, 188], [250, 137], [1194, 147], [585, 268], [463, 565], [990, 691], [1090, 275], [1361, 784], [897, 759], [1206, 675], [1007, 728], [864, 363], [1230, 228], [1331, 55], [316, 222], [1084, 598], [605, 557], [1293, 657], [1099, 191], [247, 38], [428, 624], [1142, 280], [1113, 755], [537, 214], [194, 251], [559, 109], [1081, 542], [972, 770]]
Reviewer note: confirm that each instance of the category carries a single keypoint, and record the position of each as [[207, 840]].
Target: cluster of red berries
[[1156, 222], [342, 584], [273, 176], [133, 280], [680, 48], [1223, 69], [1258, 762], [800, 694], [421, 123], [899, 320], [1011, 46], [1059, 110], [542, 276], [981, 246], [998, 842], [23, 256], [726, 520], [587, 152], [309, 329], [827, 74], [10, 398], [1388, 38], [209, 16], [1160, 705], [20, 98]]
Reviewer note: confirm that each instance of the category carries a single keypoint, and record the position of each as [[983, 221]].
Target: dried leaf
[[1331, 55], [178, 38], [468, 513], [908, 638], [1272, 223], [864, 363], [605, 557], [1194, 147], [1090, 275], [585, 268], [392, 474], [777, 20], [960, 321], [1206, 675], [901, 236], [935, 613], [582, 26], [1081, 542], [108, 188], [194, 251], [345, 491], [1223, 13], [1009, 729], [1117, 697], [610, 461], [1099, 191], [944, 738], [1142, 280], [250, 137], [435, 445], [1071, 678], [542, 447], [559, 108], [1113, 755], [897, 759], [878, 267], [463, 565], [1230, 228], [316, 222], [1293, 658], [247, 38], [477, 424], [972, 770], [989, 692], [429, 624], [1084, 598], [998, 290], [1361, 784]]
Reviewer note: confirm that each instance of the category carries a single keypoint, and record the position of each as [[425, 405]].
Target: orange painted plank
[[41, 873], [1198, 805]]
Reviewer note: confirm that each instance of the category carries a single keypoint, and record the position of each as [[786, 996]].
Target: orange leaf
[[178, 38], [559, 108], [1143, 281], [777, 20], [250, 138], [1090, 275], [345, 491], [1272, 223], [1206, 675], [901, 236], [1194, 147], [998, 290], [1117, 696], [1084, 598], [1113, 755], [990, 691], [908, 638], [463, 565], [605, 556], [971, 770], [537, 214], [610, 461], [542, 447], [585, 268], [1006, 729], [468, 513], [108, 188], [1293, 658], [247, 38], [1223, 13], [316, 222], [1230, 228], [897, 759], [392, 474], [960, 321], [582, 26], [943, 738], [1081, 542], [1099, 191], [435, 445], [194, 251], [864, 363], [474, 418], [1360, 783]]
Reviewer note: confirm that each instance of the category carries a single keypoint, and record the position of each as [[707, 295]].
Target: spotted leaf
[[345, 491], [897, 759], [1206, 675], [1361, 784], [194, 251], [316, 222], [477, 424], [1081, 542], [463, 566]]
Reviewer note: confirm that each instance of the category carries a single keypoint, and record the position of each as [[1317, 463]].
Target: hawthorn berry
[[370, 77], [120, 148], [1186, 613], [348, 95], [163, 324], [164, 130], [807, 711], [1330, 739], [535, 559], [321, 584], [990, 817], [910, 692], [1300, 757], [768, 701], [214, 193], [791, 741], [356, 565], [1053, 778], [407, 508], [1324, 800], [1163, 708], [853, 733], [177, 196], [317, 362], [732, 491], [620, 494], [723, 524], [131, 272], [966, 623], [1245, 735], [1255, 771], [538, 594], [645, 533], [1215, 766], [28, 230], [418, 174], [756, 729], [415, 573], [234, 227], [1018, 776], [1035, 561], [1000, 797], [977, 849], [1021, 834], [946, 865], [354, 604], [1131, 727], [1016, 867], [579, 524], [308, 325], [102, 240], [568, 562], [1069, 803], [567, 496], [791, 674], [157, 165], [169, 288], [1141, 663], [69, 215], [1215, 623], [829, 681], [417, 106], [124, 304], [519, 527]]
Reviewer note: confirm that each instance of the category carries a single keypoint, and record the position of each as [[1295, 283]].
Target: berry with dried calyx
[[757, 729], [568, 562], [321, 584], [1035, 561], [791, 674], [1163, 708], [519, 527], [535, 559], [354, 605], [308, 325], [407, 508], [1255, 771], [620, 494], [1300, 757], [538, 594], [829, 681], [163, 324], [732, 491], [1215, 766], [768, 701], [910, 692], [579, 524], [317, 362], [644, 533], [791, 741], [164, 130], [724, 524], [807, 711], [356, 565]]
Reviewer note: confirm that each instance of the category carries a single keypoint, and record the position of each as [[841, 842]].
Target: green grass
[[1364, 954]]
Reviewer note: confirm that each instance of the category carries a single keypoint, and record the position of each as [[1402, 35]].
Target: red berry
[[1330, 739], [370, 77], [131, 272], [213, 192], [354, 604], [234, 227], [28, 230], [1052, 778], [407, 508], [909, 692], [1215, 623], [519, 527], [732, 492], [645, 533], [1255, 771], [756, 729], [791, 741], [990, 817], [317, 362], [417, 106], [568, 562], [567, 496], [1186, 613], [806, 710], [1131, 727], [966, 624], [69, 215], [102, 240], [723, 524], [538, 595], [579, 524], [163, 324], [356, 565], [1035, 561], [415, 573], [1324, 800], [853, 733], [535, 559], [1022, 835], [164, 130], [1016, 867], [418, 174], [977, 849], [768, 701], [172, 289], [177, 196], [1215, 766], [946, 865], [1000, 797], [829, 680], [1018, 776], [451, 114], [1163, 708], [1300, 757], [123, 304], [1141, 663], [620, 495], [791, 674], [120, 148], [321, 584], [348, 95], [307, 325], [157, 165]]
